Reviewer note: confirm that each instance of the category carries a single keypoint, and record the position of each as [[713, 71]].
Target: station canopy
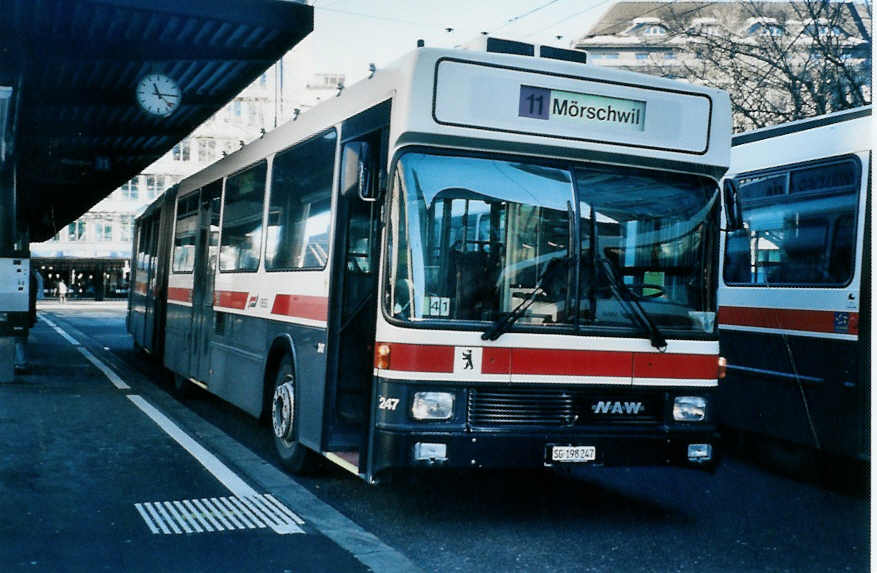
[[74, 66]]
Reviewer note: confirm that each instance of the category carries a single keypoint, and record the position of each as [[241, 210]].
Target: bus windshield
[[471, 239]]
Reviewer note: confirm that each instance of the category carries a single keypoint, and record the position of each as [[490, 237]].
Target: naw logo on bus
[[562, 106], [617, 407]]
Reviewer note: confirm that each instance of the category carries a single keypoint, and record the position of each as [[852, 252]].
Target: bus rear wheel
[[293, 455]]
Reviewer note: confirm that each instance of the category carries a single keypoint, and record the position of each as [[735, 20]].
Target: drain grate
[[210, 515]]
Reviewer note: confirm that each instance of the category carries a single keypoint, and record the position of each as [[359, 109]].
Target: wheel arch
[[280, 346]]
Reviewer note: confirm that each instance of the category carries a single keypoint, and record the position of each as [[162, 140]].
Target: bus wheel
[[284, 409]]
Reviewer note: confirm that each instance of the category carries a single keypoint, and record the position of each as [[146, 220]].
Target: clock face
[[158, 94]]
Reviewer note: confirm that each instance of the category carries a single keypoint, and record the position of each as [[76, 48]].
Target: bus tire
[[293, 455]]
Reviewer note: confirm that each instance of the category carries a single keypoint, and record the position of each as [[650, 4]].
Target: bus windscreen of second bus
[[472, 237]]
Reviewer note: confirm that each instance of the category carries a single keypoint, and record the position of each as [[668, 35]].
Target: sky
[[350, 34]]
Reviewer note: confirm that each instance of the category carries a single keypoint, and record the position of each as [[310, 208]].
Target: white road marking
[[250, 519], [283, 509], [230, 513], [175, 517], [108, 372], [246, 509], [161, 511], [146, 518], [220, 471], [179, 520], [188, 517], [57, 329], [216, 513], [157, 518]]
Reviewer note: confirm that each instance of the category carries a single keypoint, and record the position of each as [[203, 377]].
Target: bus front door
[[354, 295]]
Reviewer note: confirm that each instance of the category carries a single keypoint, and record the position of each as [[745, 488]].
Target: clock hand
[[155, 90]]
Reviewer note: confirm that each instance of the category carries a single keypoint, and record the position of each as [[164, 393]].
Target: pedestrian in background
[[62, 291]]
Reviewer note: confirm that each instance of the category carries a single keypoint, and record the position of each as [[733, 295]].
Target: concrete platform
[[91, 478]]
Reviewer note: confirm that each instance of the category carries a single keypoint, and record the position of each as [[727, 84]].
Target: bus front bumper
[[691, 447]]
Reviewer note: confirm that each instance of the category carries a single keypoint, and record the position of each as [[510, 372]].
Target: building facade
[[780, 61], [92, 254]]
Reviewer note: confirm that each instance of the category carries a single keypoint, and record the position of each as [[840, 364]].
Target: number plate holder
[[570, 454]]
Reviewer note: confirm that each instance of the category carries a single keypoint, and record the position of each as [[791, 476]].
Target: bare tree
[[779, 61]]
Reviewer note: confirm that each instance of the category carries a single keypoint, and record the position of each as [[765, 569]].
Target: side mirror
[[733, 208]]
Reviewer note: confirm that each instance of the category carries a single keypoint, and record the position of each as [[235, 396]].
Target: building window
[[206, 150], [103, 231], [126, 227], [76, 231], [154, 185], [766, 29], [236, 108], [642, 56], [263, 80], [181, 151], [130, 189], [669, 55], [606, 56], [654, 31]]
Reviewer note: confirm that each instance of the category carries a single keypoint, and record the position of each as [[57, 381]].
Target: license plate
[[573, 454]]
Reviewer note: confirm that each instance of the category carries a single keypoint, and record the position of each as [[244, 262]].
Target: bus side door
[[207, 245]]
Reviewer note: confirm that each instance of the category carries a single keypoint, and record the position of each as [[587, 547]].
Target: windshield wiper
[[623, 294], [505, 321]]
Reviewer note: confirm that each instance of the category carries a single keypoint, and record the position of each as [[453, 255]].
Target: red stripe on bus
[[421, 358], [681, 366], [554, 362], [301, 306], [549, 362], [496, 360], [230, 299], [179, 293], [791, 319]]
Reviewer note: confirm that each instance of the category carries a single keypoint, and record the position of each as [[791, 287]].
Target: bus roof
[[801, 125], [825, 136], [469, 99]]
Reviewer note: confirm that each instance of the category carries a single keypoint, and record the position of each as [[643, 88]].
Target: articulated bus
[[470, 259], [795, 314]]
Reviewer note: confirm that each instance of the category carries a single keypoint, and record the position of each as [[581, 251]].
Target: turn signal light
[[382, 356], [723, 367]]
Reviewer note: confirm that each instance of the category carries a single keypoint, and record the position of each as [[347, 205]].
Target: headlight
[[689, 409], [432, 406]]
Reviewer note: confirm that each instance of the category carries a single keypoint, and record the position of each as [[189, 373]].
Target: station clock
[[158, 94]]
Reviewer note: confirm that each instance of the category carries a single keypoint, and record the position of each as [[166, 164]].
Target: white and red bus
[[795, 315], [470, 259]]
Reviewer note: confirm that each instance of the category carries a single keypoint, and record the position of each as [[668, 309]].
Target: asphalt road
[[744, 517]]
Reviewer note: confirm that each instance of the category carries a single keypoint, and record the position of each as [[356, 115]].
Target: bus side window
[[299, 208], [242, 220]]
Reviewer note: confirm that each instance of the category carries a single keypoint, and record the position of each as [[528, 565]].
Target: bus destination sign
[[590, 109]]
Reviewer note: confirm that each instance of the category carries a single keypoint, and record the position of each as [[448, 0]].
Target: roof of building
[[621, 16]]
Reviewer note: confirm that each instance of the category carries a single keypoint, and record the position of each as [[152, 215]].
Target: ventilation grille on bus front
[[516, 407]]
